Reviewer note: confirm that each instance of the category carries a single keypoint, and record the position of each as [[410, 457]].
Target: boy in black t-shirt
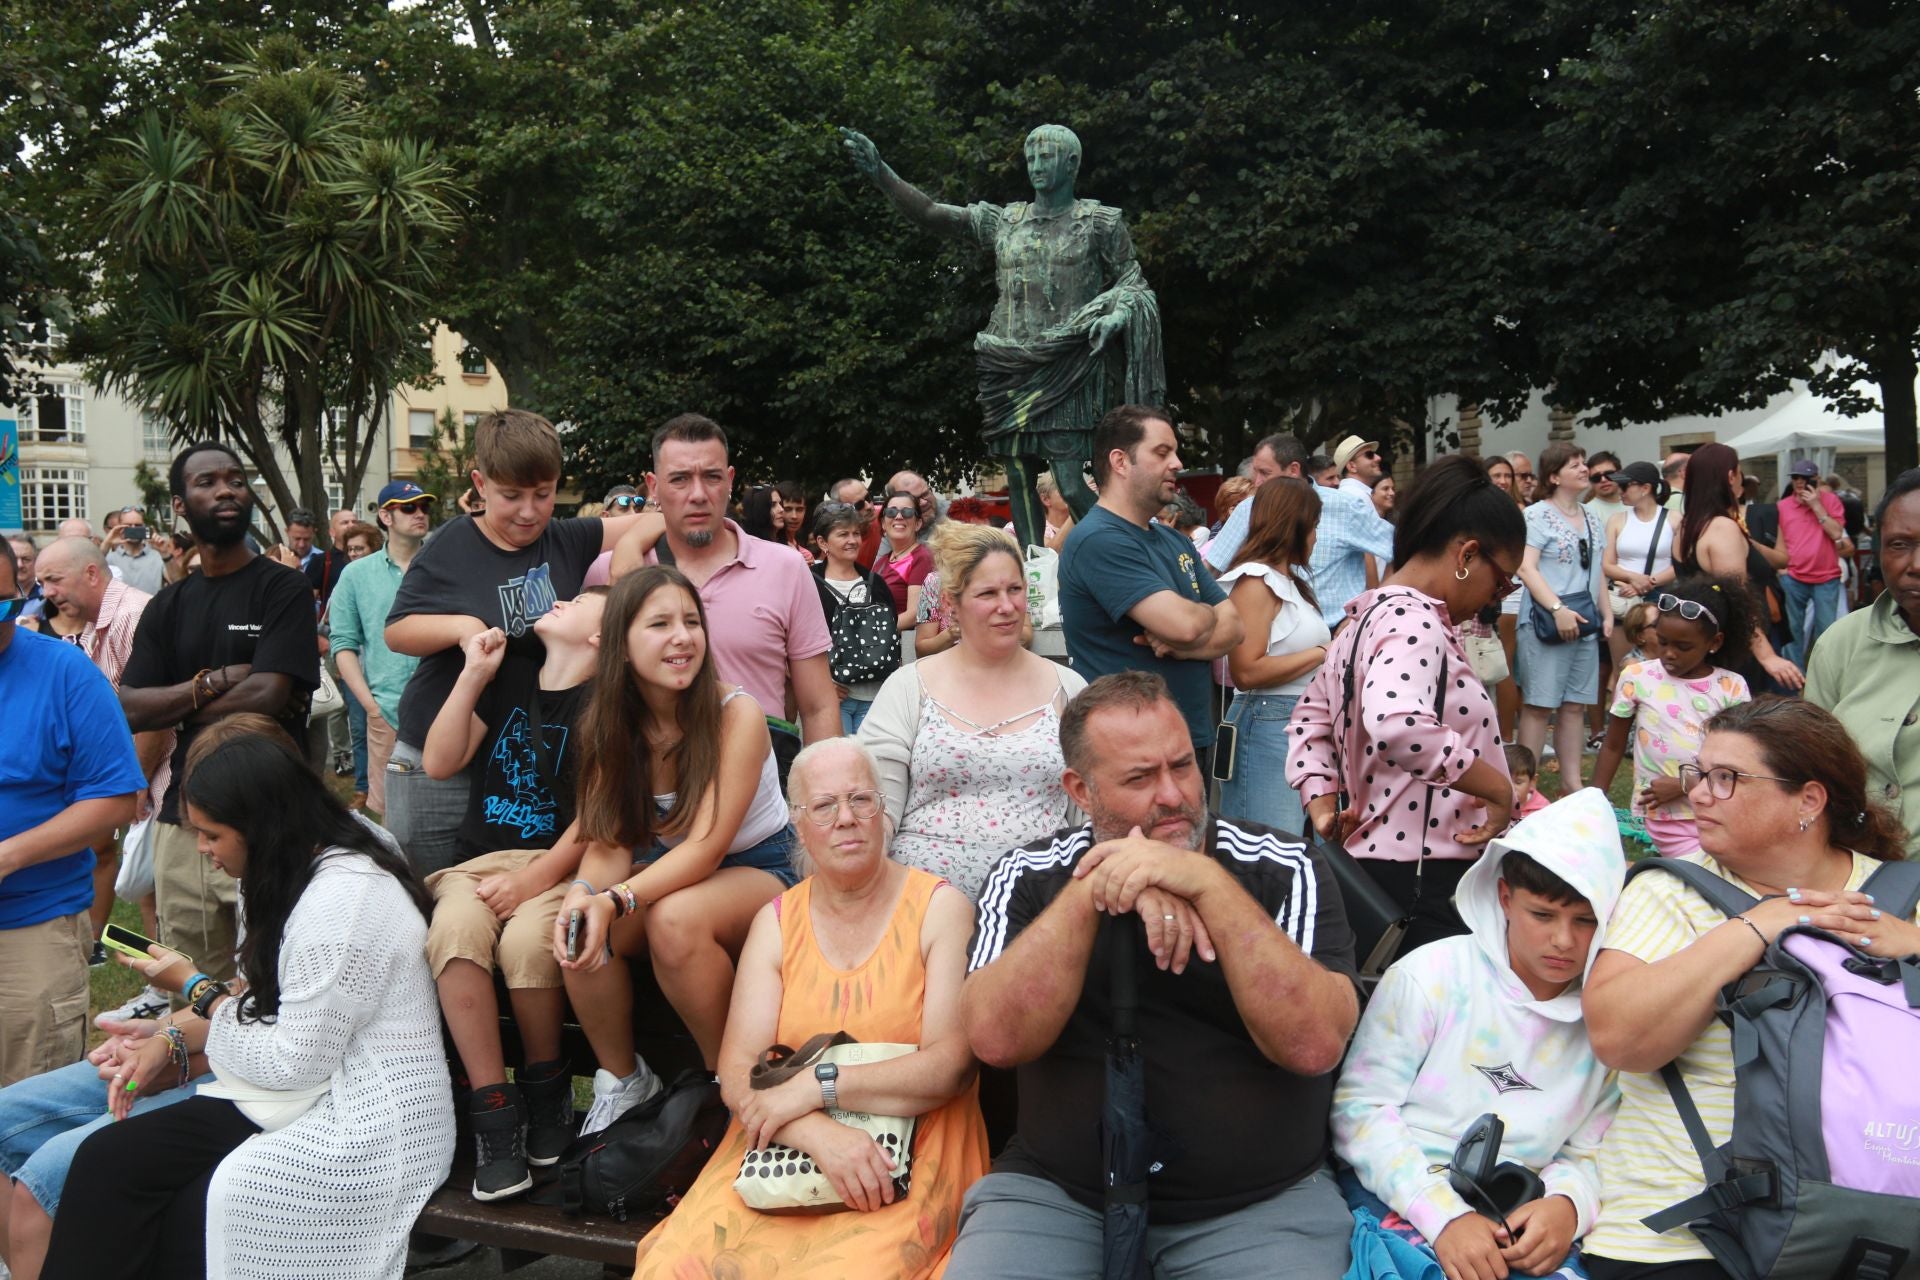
[[516, 721], [501, 569]]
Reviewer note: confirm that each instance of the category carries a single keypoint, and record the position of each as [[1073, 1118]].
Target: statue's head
[[1053, 157]]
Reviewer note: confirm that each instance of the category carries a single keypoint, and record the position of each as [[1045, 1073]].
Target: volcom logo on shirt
[[525, 599], [1505, 1079]]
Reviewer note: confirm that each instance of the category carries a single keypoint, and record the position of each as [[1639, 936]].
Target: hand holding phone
[[573, 934]]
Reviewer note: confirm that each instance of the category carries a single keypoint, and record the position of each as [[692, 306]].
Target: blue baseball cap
[[400, 492]]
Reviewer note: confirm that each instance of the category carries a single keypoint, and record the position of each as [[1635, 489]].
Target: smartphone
[[1226, 741], [127, 942], [134, 533], [573, 934]]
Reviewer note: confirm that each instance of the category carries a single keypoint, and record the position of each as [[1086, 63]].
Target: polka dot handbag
[[785, 1180]]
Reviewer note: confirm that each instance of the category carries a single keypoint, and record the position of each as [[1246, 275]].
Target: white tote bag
[[1043, 586], [134, 880]]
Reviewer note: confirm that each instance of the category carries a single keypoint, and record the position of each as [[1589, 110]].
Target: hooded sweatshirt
[[1453, 1033]]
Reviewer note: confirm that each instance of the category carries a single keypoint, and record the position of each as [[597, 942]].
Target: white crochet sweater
[[335, 1193]]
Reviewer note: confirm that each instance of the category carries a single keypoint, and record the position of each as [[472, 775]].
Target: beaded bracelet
[[623, 900], [194, 986], [177, 1049]]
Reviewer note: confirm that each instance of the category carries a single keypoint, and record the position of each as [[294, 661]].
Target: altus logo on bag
[[1893, 1140]]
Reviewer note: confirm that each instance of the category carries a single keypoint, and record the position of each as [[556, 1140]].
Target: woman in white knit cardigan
[[330, 1120]]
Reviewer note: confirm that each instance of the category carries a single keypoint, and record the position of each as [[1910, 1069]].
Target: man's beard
[[1106, 827], [699, 538], [220, 531]]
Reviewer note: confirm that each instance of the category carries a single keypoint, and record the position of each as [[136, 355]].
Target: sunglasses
[[900, 513], [10, 609], [627, 502], [416, 507], [1505, 583], [1600, 477], [1691, 610]]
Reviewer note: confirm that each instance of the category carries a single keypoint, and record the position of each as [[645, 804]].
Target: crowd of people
[[801, 762]]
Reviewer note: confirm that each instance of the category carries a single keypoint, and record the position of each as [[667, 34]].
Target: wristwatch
[[828, 1074], [209, 992]]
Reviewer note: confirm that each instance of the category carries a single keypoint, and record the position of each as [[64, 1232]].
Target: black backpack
[[645, 1160]]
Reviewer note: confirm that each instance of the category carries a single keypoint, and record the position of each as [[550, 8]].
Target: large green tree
[[1739, 183], [265, 259]]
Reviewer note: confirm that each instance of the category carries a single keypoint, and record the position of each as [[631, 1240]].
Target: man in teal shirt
[[357, 617]]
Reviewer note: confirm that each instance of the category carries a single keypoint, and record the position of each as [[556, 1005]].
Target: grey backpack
[[1821, 1178]]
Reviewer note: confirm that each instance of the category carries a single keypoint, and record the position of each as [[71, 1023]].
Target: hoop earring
[[1460, 574]]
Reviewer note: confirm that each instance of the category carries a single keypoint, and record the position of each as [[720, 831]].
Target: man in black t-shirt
[[504, 568], [235, 636], [1238, 1045]]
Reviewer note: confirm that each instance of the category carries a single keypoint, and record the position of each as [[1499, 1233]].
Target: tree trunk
[[1893, 368]]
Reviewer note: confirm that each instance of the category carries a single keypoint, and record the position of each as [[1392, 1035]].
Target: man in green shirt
[[357, 617], [1866, 669]]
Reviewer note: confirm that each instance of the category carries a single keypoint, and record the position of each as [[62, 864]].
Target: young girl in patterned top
[[1665, 702]]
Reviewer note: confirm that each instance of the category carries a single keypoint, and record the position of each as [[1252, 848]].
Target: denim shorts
[[45, 1118], [774, 855]]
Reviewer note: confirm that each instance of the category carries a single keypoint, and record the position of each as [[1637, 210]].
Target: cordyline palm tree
[[264, 260]]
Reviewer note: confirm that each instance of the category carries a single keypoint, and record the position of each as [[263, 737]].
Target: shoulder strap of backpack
[[1895, 887], [1728, 898], [1653, 544], [1723, 1192]]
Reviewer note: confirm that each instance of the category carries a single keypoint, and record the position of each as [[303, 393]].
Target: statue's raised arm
[[1075, 330], [919, 207]]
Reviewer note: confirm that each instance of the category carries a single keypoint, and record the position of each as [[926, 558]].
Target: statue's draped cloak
[[1042, 386]]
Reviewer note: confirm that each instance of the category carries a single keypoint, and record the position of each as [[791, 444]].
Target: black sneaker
[[548, 1090], [499, 1143], [98, 956]]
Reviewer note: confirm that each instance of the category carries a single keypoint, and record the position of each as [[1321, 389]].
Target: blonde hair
[[1232, 490], [1046, 486], [1643, 614], [958, 549]]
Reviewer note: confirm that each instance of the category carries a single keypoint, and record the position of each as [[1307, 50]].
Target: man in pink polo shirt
[[764, 620], [1811, 524]]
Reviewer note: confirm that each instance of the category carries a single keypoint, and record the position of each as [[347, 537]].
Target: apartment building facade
[[79, 446]]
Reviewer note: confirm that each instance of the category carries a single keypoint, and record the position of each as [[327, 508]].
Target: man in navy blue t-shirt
[[69, 774], [1133, 594]]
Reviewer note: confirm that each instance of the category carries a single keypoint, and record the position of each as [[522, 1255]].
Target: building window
[[156, 441], [469, 421], [472, 363], [59, 417], [49, 495], [420, 428], [337, 420]]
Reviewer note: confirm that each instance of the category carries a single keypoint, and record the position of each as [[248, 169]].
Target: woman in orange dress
[[867, 946]]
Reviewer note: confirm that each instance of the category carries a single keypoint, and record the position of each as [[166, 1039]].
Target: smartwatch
[[828, 1074]]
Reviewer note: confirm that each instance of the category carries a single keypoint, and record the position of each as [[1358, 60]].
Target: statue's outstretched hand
[[1104, 328], [866, 156]]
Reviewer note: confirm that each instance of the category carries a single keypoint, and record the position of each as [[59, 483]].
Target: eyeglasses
[[626, 502], [824, 811], [1691, 610], [1722, 779], [900, 513], [418, 506]]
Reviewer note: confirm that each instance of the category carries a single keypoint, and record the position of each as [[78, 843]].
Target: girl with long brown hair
[[687, 832], [1286, 641]]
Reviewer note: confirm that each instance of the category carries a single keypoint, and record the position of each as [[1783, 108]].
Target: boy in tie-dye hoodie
[[1491, 1022]]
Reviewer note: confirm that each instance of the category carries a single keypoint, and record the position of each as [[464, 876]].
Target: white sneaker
[[149, 1003], [613, 1096]]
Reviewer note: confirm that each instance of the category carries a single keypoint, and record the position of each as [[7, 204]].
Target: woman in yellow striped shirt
[[1779, 790]]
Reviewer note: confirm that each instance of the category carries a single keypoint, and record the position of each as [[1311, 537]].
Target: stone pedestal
[[1470, 430]]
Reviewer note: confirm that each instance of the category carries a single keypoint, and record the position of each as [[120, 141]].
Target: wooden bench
[[523, 1231]]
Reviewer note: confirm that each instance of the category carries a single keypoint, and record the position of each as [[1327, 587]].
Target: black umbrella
[[1124, 1135]]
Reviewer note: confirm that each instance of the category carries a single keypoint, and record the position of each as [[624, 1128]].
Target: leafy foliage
[[265, 259]]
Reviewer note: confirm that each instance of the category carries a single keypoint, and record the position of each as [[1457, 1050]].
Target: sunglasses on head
[[1691, 610]]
